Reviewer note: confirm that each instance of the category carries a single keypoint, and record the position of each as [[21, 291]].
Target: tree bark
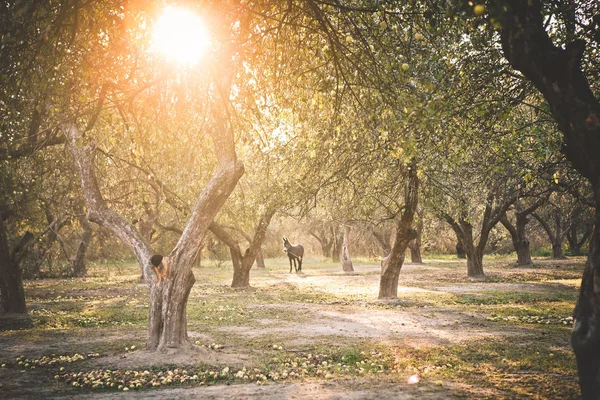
[[11, 280], [519, 238], [576, 243], [474, 253], [460, 248], [557, 74], [585, 338], [415, 245], [557, 252], [338, 239], [260, 259], [169, 290], [79, 264], [495, 208], [345, 255], [242, 263], [383, 237], [404, 233], [325, 239], [556, 235]]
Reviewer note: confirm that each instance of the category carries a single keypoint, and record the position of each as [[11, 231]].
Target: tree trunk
[[345, 255], [474, 253], [523, 252], [260, 259], [557, 74], [167, 326], [338, 239], [574, 247], [243, 263], [13, 294], [521, 242], [404, 233], [475, 265], [173, 279], [519, 239], [460, 248], [585, 338], [241, 270], [383, 237], [325, 242], [415, 253], [415, 245], [576, 243], [79, 264], [557, 252]]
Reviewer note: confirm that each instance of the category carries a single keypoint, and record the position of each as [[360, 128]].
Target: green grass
[[108, 312]]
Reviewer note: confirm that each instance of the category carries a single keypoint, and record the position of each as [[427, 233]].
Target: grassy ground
[[321, 331]]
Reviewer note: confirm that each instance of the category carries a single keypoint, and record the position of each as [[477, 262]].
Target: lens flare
[[181, 36]]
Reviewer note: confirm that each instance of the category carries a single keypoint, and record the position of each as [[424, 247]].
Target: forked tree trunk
[[404, 233], [520, 240], [325, 238], [464, 233], [557, 74], [576, 243], [172, 282], [556, 236], [242, 263], [345, 255], [518, 234], [495, 208], [383, 237]]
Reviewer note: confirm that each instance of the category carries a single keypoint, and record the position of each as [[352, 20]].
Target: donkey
[[294, 252]]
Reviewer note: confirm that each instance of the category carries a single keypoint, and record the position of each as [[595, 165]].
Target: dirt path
[[321, 309]]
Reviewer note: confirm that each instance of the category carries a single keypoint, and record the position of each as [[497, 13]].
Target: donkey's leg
[[300, 264], [290, 258]]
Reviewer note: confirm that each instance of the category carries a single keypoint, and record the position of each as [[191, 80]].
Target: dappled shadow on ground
[[506, 337]]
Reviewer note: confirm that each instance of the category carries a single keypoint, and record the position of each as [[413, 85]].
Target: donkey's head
[[286, 244]]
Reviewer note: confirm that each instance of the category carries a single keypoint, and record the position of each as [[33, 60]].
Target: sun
[[180, 35]]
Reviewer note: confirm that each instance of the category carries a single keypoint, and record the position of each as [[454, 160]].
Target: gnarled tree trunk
[[495, 208], [242, 263], [404, 233], [170, 289], [325, 235], [518, 233], [556, 235]]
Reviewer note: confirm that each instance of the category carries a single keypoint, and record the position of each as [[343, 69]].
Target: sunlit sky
[[181, 36]]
